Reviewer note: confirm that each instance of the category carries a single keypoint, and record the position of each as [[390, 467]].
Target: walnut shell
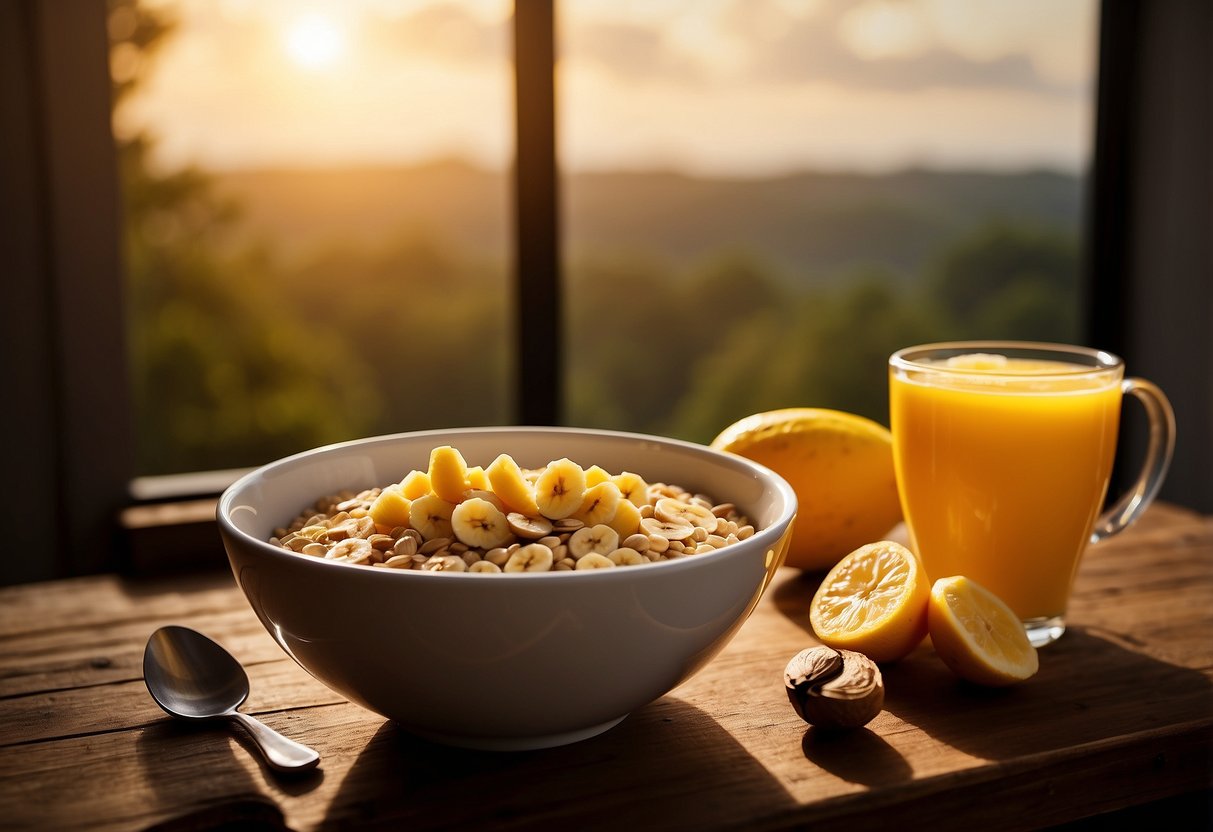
[[834, 688]]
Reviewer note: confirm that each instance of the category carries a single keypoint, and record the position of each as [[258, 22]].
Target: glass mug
[[1003, 451]]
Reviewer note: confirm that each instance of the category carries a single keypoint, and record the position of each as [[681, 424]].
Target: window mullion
[[539, 324]]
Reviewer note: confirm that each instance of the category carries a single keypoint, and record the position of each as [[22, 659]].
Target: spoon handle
[[281, 753]]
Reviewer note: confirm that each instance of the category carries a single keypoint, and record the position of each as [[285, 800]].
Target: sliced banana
[[595, 474], [486, 495], [391, 507], [511, 486], [599, 504], [484, 566], [534, 557], [601, 539], [351, 550], [625, 556], [478, 479], [477, 522], [677, 529], [594, 561], [415, 484], [671, 510], [431, 515], [531, 528], [560, 489], [448, 473], [626, 520], [633, 488]]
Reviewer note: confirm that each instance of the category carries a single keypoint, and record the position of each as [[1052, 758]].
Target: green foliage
[[223, 375], [240, 356], [753, 348], [1005, 281]]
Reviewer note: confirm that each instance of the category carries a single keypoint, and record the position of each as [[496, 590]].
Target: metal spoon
[[192, 677]]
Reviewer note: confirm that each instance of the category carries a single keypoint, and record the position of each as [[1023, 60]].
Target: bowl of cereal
[[506, 588]]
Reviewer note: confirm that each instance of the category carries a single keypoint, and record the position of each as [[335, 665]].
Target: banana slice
[[594, 561], [484, 566], [448, 473], [486, 495], [601, 539], [391, 507], [530, 528], [625, 556], [671, 510], [351, 550], [677, 529], [626, 520], [478, 479], [534, 557], [478, 522], [415, 484], [633, 488], [431, 515], [560, 489], [594, 475], [508, 482], [599, 504]]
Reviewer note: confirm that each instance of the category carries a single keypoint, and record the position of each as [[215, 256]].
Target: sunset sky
[[736, 87]]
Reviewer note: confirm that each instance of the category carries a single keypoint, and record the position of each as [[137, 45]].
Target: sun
[[315, 41]]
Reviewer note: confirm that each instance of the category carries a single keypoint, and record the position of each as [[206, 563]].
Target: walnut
[[834, 688]]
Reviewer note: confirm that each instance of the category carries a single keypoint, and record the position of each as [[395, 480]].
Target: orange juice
[[1003, 465]]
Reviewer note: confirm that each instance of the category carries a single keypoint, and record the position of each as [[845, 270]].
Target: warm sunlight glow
[[733, 87], [882, 30], [315, 42]]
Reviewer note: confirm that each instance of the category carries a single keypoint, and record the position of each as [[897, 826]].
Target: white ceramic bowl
[[503, 661]]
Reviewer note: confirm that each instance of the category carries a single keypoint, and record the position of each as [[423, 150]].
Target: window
[[68, 425], [316, 222], [763, 200]]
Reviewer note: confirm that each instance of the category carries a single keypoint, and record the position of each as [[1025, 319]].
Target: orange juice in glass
[[1003, 453]]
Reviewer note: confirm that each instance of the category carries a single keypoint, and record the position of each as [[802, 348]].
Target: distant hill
[[810, 225]]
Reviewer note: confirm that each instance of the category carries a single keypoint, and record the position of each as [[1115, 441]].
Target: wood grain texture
[[1121, 713]]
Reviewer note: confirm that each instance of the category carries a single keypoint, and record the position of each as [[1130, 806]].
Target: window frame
[[67, 423]]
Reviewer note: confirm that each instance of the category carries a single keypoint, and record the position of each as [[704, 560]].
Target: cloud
[[784, 48], [807, 49], [630, 51], [446, 32]]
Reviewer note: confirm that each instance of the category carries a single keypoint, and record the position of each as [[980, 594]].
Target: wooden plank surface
[[1121, 713]]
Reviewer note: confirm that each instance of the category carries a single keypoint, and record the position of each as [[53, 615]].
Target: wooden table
[[1120, 714]]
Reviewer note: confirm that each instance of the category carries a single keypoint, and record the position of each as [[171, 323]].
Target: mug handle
[[1158, 458]]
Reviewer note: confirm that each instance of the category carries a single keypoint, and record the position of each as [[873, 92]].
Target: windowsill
[[171, 526], [177, 486]]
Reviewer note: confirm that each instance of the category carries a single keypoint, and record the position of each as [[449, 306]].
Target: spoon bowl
[[192, 677]]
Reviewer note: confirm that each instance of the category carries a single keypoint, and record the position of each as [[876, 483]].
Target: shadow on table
[[667, 765], [857, 756], [1086, 682], [792, 597], [1088, 688], [206, 779]]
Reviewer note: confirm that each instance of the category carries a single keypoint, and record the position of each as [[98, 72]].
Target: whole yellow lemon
[[841, 467]]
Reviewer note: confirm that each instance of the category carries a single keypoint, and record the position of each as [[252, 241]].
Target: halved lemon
[[874, 601], [841, 467], [977, 635]]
